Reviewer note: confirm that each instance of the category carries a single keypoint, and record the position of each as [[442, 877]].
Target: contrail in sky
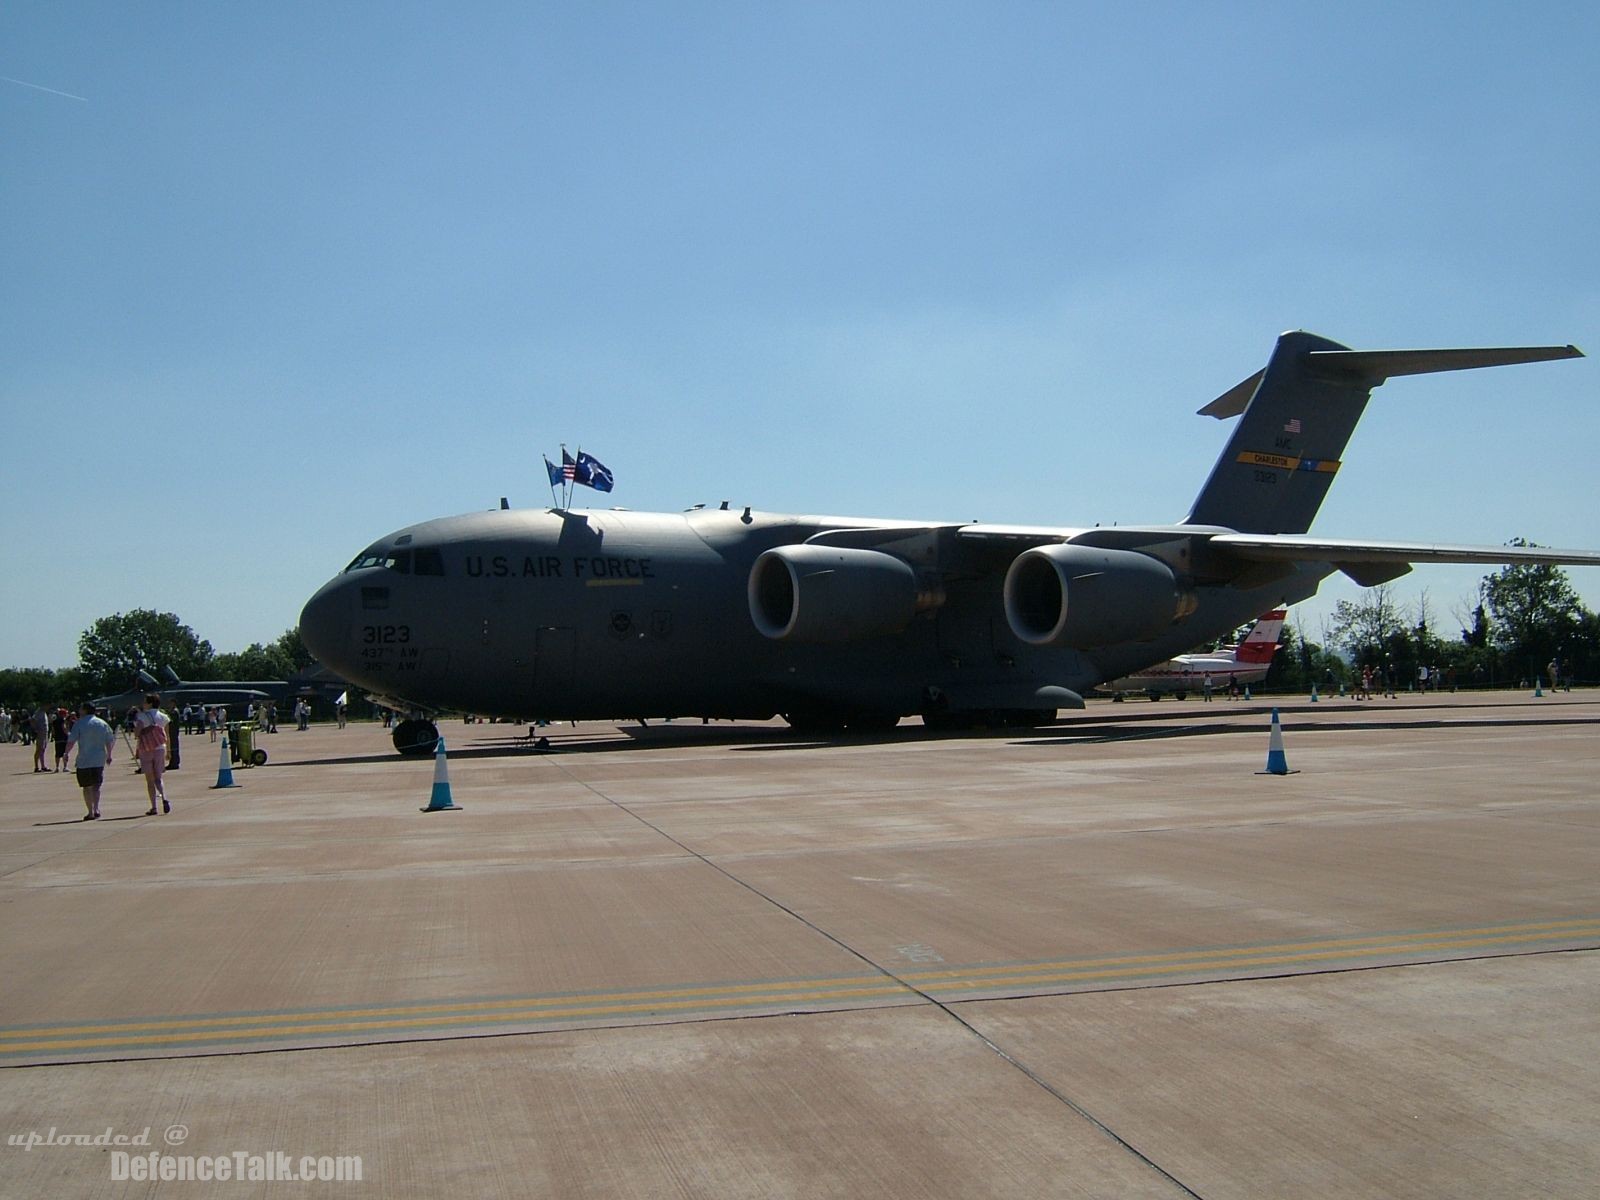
[[42, 88]]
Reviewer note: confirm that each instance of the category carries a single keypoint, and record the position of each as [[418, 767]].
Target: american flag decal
[[1293, 426]]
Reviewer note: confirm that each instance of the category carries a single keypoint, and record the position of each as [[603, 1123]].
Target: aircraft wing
[[1288, 547]]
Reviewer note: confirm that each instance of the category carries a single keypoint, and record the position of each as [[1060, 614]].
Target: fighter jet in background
[[1244, 664], [852, 623], [176, 692]]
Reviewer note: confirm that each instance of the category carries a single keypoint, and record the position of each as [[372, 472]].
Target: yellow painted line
[[1585, 926], [574, 1012], [537, 1010], [521, 1004]]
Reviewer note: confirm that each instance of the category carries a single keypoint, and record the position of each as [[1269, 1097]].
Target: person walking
[[150, 730], [174, 758], [39, 725], [60, 722], [94, 740]]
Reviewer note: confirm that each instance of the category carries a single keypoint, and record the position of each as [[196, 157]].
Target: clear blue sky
[[320, 271]]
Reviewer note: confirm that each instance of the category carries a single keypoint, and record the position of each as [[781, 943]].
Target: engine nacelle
[[1084, 596], [831, 594]]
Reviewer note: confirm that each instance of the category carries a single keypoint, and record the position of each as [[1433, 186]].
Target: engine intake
[[1085, 596], [832, 594]]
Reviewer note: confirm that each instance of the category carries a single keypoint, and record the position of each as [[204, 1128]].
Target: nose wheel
[[416, 736]]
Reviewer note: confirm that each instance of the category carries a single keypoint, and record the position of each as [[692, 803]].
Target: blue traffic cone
[[1277, 763], [1538, 692], [224, 769], [1247, 691], [1314, 696], [440, 801]]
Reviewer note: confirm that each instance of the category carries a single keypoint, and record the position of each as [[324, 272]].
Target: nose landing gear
[[416, 736]]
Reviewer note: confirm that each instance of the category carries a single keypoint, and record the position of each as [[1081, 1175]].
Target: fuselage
[[615, 614]]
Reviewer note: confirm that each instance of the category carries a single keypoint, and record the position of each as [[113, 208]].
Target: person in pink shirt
[[150, 730]]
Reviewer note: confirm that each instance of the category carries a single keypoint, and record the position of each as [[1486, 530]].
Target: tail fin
[[1298, 414], [1261, 643]]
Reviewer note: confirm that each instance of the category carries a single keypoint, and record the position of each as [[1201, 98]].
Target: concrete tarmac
[[1104, 958]]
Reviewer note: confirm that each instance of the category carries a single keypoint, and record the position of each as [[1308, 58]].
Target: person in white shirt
[[94, 739]]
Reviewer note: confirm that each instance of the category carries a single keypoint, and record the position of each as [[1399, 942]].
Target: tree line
[[1524, 618], [113, 651]]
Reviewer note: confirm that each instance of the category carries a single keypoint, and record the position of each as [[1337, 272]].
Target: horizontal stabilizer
[[1372, 367], [1280, 547], [1378, 365]]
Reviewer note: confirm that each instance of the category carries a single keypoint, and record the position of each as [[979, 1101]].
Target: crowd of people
[[153, 744], [151, 733]]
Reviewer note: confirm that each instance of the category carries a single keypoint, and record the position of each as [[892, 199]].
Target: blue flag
[[557, 476], [591, 471]]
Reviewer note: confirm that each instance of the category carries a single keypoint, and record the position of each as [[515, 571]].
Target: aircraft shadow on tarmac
[[1101, 728]]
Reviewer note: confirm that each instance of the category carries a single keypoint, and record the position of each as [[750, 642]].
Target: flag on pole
[[592, 472], [585, 469]]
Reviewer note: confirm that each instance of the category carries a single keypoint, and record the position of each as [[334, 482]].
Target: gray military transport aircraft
[[841, 623]]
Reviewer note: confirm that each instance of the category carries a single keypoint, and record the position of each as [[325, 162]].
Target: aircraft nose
[[326, 623]]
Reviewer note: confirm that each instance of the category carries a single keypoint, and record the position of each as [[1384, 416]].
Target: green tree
[[1299, 663], [1536, 612], [1367, 629], [253, 662], [29, 687], [115, 648], [294, 650], [1478, 636]]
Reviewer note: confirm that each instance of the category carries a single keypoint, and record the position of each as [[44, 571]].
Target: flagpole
[[575, 459]]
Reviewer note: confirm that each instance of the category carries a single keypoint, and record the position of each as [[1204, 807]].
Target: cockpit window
[[404, 562], [367, 559]]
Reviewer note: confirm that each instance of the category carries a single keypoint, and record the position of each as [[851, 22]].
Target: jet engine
[[1084, 596], [832, 594]]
